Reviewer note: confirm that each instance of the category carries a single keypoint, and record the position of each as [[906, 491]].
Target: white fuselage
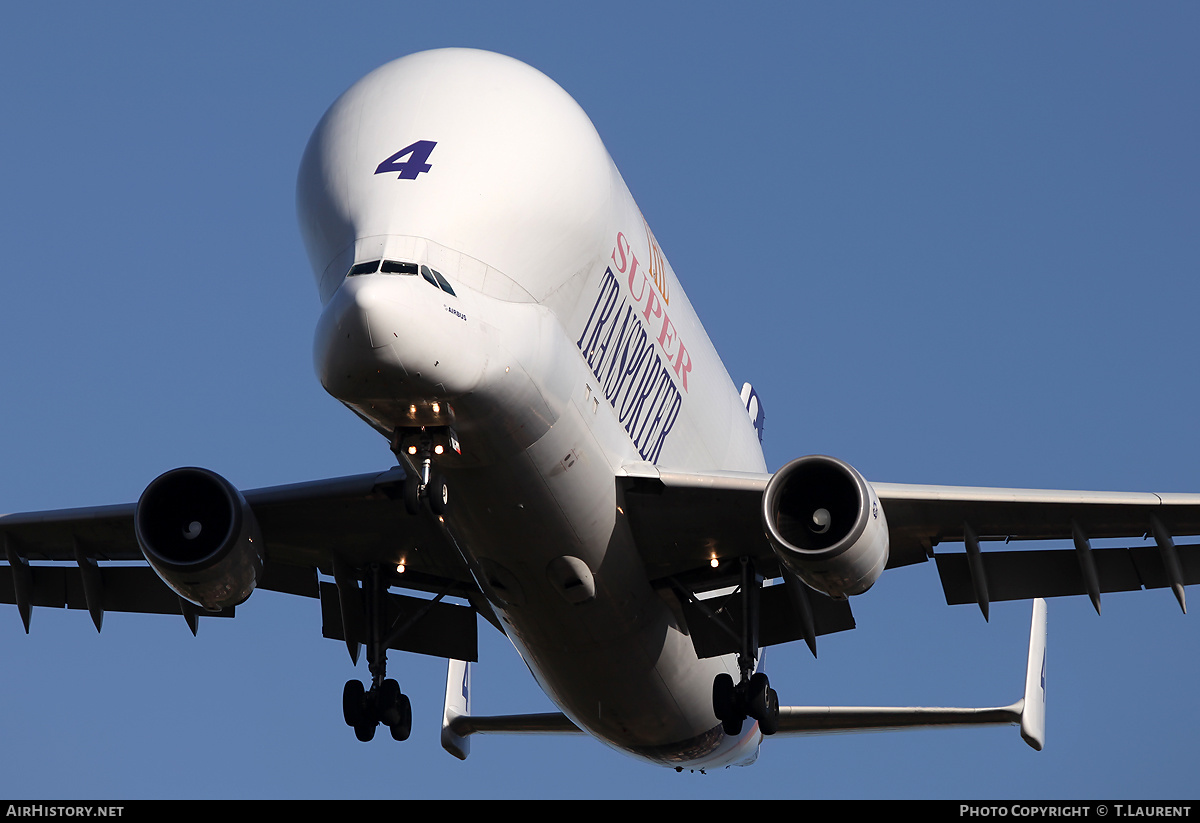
[[563, 351]]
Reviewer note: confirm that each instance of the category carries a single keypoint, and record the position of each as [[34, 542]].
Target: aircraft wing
[[682, 520], [88, 558]]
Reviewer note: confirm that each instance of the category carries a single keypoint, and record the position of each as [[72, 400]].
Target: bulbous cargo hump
[[501, 165]]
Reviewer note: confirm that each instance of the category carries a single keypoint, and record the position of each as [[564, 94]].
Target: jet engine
[[826, 525], [199, 535]]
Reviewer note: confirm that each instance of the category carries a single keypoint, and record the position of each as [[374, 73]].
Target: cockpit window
[[396, 267], [387, 267], [442, 282], [434, 278]]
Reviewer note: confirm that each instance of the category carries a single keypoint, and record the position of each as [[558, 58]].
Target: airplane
[[574, 463]]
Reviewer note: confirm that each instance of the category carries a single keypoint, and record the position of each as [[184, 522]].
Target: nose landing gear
[[416, 449]]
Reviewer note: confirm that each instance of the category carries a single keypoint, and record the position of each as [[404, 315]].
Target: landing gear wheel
[[726, 705], [353, 703], [402, 728], [756, 696], [723, 697], [387, 703], [770, 723], [412, 495], [365, 731], [437, 494], [762, 703]]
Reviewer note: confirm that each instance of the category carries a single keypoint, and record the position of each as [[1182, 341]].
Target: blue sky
[[949, 243]]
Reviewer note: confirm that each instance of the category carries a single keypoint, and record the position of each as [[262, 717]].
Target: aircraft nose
[[366, 301], [386, 338], [351, 347]]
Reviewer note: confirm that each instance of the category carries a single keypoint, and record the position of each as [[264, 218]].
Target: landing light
[[438, 449], [412, 449], [436, 408], [714, 562], [399, 568]]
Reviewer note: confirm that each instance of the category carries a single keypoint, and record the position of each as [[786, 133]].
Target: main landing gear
[[752, 696], [384, 703], [364, 710]]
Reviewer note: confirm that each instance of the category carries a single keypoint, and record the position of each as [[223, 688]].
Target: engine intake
[[826, 525], [199, 535]]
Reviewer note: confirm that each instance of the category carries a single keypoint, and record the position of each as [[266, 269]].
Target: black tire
[[353, 703], [365, 731], [438, 494], [723, 697], [412, 495], [403, 727], [757, 699], [769, 724], [732, 726], [387, 702]]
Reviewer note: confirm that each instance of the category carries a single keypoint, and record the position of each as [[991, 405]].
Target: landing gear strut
[[752, 696], [384, 703]]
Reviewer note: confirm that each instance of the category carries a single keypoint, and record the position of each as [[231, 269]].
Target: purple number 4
[[417, 154]]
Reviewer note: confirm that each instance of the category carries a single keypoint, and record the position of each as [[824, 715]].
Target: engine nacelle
[[199, 535], [826, 525]]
